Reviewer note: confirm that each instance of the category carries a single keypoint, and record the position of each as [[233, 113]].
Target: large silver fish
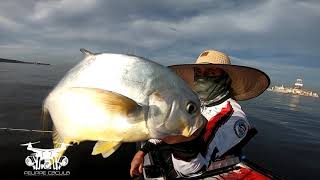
[[114, 98]]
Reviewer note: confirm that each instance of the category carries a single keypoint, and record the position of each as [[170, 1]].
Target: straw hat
[[246, 82]]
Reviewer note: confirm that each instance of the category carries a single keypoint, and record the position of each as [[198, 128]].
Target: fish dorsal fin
[[112, 102], [87, 52], [105, 148]]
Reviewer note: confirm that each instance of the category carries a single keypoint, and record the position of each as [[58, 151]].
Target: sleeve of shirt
[[187, 158], [193, 167]]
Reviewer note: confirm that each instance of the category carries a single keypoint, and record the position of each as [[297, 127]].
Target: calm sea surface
[[288, 139]]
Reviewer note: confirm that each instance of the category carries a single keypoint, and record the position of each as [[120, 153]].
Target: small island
[[23, 62]]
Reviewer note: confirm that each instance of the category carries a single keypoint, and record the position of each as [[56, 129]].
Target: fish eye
[[191, 107]]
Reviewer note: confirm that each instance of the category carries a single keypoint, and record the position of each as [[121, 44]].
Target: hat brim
[[246, 82]]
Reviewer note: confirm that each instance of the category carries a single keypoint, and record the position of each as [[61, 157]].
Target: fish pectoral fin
[[105, 148], [111, 102]]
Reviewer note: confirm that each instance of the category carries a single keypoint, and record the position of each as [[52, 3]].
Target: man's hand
[[137, 164]]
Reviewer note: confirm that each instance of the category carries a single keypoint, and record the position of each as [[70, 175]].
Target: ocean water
[[288, 139]]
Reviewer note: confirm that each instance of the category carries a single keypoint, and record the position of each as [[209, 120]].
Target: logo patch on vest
[[241, 128]]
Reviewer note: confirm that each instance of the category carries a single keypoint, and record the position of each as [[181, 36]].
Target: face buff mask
[[212, 89]]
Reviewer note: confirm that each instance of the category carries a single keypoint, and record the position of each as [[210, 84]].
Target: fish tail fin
[[60, 143], [44, 118]]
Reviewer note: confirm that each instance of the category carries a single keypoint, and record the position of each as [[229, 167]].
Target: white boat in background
[[297, 89]]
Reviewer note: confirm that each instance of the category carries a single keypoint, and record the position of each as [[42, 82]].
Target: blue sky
[[281, 37]]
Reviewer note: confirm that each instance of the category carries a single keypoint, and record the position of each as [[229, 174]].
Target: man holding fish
[[218, 85]]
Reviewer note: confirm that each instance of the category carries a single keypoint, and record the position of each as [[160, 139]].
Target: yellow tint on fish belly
[[109, 134], [119, 108]]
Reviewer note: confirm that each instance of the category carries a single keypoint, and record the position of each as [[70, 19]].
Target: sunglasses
[[208, 72]]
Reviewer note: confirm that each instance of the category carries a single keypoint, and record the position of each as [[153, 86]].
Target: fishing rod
[[25, 130]]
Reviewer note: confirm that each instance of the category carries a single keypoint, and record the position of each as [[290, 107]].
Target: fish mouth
[[173, 139]]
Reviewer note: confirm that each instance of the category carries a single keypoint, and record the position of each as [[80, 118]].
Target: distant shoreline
[[21, 62]]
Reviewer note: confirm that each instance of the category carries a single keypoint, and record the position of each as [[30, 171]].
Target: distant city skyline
[[280, 37]]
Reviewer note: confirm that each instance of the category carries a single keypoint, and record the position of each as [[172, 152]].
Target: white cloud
[[9, 24], [175, 30], [45, 9]]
